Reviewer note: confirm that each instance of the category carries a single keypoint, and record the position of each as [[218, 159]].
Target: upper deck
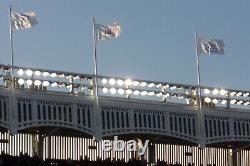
[[45, 99]]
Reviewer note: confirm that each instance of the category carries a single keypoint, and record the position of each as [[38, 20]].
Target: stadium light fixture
[[76, 77], [223, 92], [20, 81], [45, 74], [128, 91], [206, 91], [53, 75], [37, 82], [233, 101], [166, 86], [207, 100], [136, 92], [159, 94], [215, 91], [29, 72], [247, 103], [151, 93], [232, 93], [151, 85], [128, 82], [29, 82], [215, 101], [143, 84], [20, 72], [112, 91], [46, 83], [223, 101], [104, 81], [240, 102], [120, 82], [37, 73], [239, 94], [54, 84], [112, 81], [121, 91], [105, 90], [158, 86], [136, 83], [246, 94], [173, 88], [144, 93]]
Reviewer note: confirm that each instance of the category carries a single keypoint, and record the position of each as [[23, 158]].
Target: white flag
[[107, 32], [23, 20], [210, 46]]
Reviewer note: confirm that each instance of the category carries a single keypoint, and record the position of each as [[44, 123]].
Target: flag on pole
[[210, 46], [107, 32], [23, 20]]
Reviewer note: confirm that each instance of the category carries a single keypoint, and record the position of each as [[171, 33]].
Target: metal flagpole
[[12, 60], [200, 124], [95, 84], [12, 66]]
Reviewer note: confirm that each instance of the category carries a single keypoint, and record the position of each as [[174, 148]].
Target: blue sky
[[156, 43]]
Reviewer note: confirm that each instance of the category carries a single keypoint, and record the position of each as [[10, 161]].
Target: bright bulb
[[129, 91], [172, 87], [46, 83], [76, 77], [29, 82], [159, 94], [240, 102], [112, 90], [37, 73], [29, 72], [223, 101], [151, 93], [144, 93], [136, 92], [20, 72], [239, 94], [232, 93], [143, 84], [53, 75], [120, 82], [105, 90], [233, 101], [151, 85], [104, 81], [20, 81], [247, 103], [215, 101], [54, 84], [112, 81], [121, 91], [223, 92], [37, 83], [128, 82], [246, 94], [45, 74], [136, 83], [215, 91], [158, 85], [206, 91], [207, 100]]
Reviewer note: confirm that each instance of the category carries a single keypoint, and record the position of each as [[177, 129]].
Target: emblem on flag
[[23, 20], [107, 32], [210, 46]]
